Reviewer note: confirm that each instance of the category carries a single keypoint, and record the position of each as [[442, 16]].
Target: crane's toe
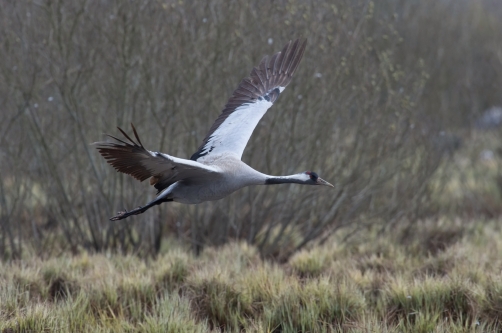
[[120, 215]]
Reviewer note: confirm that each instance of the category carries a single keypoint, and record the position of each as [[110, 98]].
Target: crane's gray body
[[231, 175]]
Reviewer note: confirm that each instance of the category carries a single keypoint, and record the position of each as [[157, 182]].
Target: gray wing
[[163, 170], [250, 101]]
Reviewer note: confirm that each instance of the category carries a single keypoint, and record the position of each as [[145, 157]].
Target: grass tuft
[[60, 288], [431, 301], [309, 263], [492, 305], [221, 303]]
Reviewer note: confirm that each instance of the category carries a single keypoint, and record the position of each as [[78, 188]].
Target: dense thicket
[[373, 108]]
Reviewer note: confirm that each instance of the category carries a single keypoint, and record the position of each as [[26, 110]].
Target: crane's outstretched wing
[[162, 169], [254, 96]]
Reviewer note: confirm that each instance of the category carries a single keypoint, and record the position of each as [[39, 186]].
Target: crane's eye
[[312, 175]]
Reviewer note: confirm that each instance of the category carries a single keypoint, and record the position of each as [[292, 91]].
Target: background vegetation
[[383, 93], [388, 104]]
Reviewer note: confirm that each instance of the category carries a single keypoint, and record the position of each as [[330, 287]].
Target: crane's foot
[[124, 214], [120, 215]]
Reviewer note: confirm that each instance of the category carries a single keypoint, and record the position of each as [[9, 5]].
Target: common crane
[[216, 169]]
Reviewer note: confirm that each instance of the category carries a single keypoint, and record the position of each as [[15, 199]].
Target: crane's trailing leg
[[124, 214]]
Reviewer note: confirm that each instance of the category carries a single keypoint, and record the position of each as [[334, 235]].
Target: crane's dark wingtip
[[136, 135]]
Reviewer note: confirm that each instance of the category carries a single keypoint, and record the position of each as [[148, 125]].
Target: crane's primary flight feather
[[249, 102]]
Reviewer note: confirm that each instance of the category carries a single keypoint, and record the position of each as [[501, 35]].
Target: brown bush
[[376, 86]]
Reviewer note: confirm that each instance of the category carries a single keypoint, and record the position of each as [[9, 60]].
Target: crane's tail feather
[[125, 214]]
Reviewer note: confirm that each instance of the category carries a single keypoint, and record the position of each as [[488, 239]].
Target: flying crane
[[215, 170]]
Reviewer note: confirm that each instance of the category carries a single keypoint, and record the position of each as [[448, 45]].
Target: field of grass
[[439, 276]]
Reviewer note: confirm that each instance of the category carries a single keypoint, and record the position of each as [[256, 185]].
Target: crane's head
[[313, 178]]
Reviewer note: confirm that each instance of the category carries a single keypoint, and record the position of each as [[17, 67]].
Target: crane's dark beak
[[321, 181]]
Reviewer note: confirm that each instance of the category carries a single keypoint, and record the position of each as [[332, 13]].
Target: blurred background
[[398, 103]]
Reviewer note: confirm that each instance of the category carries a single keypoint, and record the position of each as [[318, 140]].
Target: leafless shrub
[[362, 111]]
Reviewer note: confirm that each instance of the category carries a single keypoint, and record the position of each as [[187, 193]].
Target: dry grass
[[382, 283]]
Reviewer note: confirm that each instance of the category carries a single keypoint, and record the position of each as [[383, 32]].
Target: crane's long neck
[[297, 179], [254, 177]]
